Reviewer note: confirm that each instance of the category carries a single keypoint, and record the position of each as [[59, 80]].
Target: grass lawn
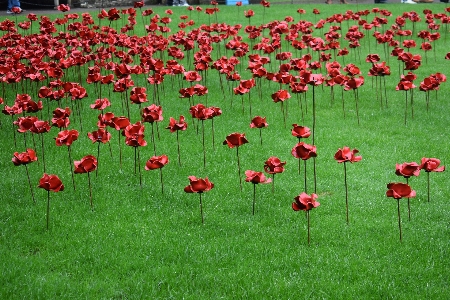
[[140, 242]]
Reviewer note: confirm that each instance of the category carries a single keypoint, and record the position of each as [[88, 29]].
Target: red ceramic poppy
[[99, 136], [40, 127], [256, 177], [138, 95], [431, 165], [61, 117], [156, 162], [280, 95], [274, 165], [24, 158], [101, 104], [134, 135], [258, 122], [398, 190], [407, 169], [152, 113], [25, 123], [304, 151], [198, 185], [235, 140], [300, 131], [66, 137], [86, 164], [347, 155], [120, 122], [305, 202], [174, 125], [51, 183]]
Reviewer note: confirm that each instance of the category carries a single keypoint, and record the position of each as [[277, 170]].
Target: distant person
[[13, 7], [180, 3], [408, 2]]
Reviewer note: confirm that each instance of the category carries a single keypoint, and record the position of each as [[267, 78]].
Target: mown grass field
[[142, 243]]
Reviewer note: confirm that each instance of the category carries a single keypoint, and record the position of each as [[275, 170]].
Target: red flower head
[[24, 157], [300, 131], [152, 113], [239, 3], [258, 122], [265, 3], [407, 169], [304, 151], [198, 185], [86, 164], [63, 7], [120, 122], [274, 165], [25, 123], [399, 190], [249, 13], [431, 165], [256, 177], [280, 95], [305, 202], [156, 162], [138, 95], [138, 4], [345, 155], [99, 136], [192, 76], [235, 140], [66, 137], [51, 183], [61, 117], [134, 135], [174, 125], [201, 112], [40, 127], [101, 104]]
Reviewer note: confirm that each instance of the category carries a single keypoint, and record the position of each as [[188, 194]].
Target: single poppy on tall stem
[[86, 165], [304, 152], [134, 137], [255, 178], [235, 140], [407, 170], [157, 162], [274, 165], [199, 186], [120, 123], [345, 155], [300, 132], [398, 190], [305, 202], [67, 137], [430, 165], [25, 158], [50, 183], [152, 114], [176, 126], [260, 123], [99, 136], [40, 127]]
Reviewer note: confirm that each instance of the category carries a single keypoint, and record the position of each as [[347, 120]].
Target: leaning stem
[[71, 168], [29, 182], [346, 191], [139, 166], [48, 207], [428, 184], [306, 190], [239, 168], [409, 203], [43, 157], [254, 198], [201, 208], [203, 143], [178, 143], [90, 190], [162, 182], [309, 231], [399, 220]]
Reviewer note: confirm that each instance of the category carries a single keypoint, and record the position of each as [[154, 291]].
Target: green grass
[[140, 243]]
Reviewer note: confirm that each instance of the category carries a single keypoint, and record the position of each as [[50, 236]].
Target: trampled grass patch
[[138, 242]]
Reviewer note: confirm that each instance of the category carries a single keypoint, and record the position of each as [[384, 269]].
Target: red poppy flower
[[280, 95], [24, 158], [407, 169], [399, 190], [66, 137], [25, 123], [274, 165], [347, 155], [120, 122], [249, 13], [304, 151], [99, 136], [300, 131], [138, 95], [235, 140], [192, 76], [201, 112], [258, 122], [138, 4], [256, 177], [156, 162], [40, 127], [134, 135], [86, 164], [61, 117], [51, 183], [152, 113], [431, 165], [101, 104], [305, 202], [174, 125], [198, 185], [63, 7]]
